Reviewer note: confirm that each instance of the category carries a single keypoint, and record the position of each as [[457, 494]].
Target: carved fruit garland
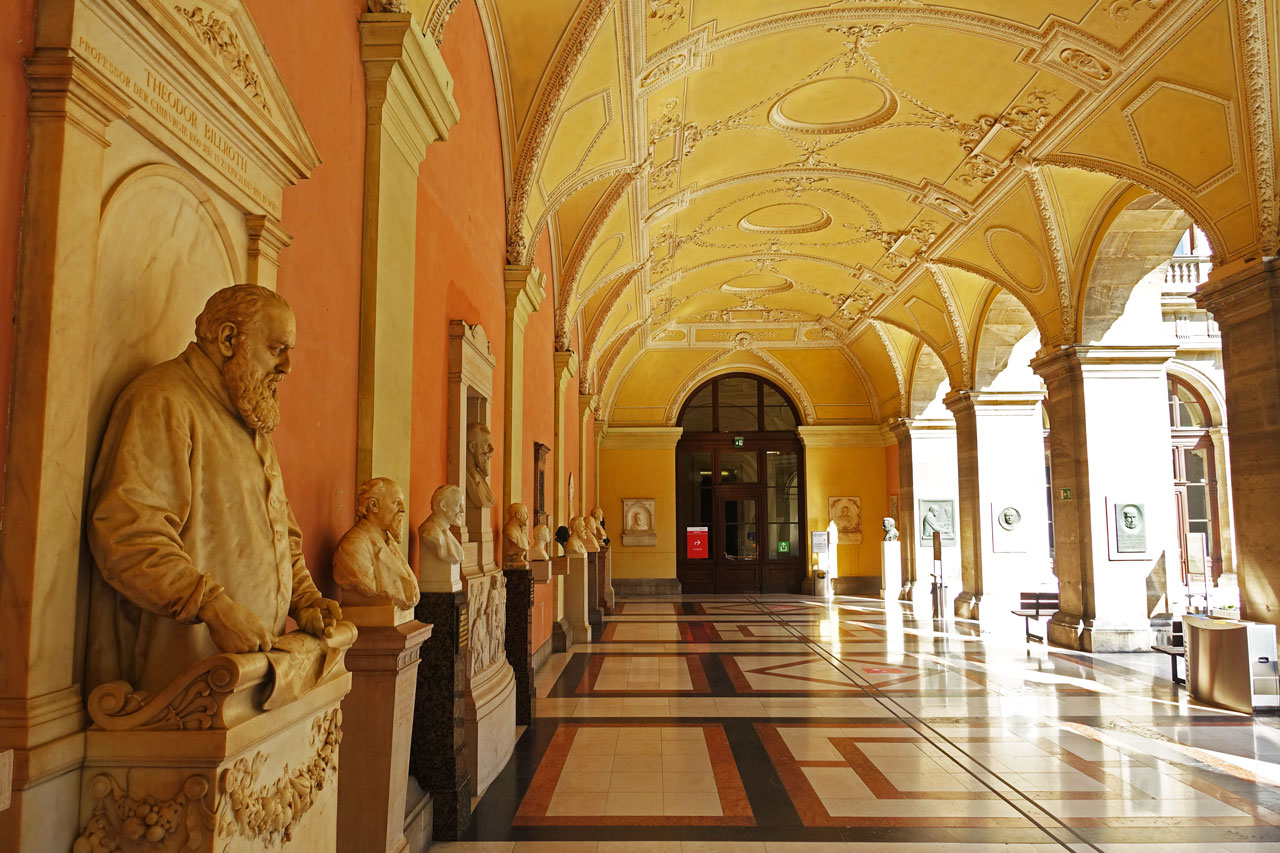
[[268, 813], [224, 43], [121, 823]]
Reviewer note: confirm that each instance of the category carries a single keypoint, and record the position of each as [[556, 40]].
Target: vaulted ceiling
[[819, 190]]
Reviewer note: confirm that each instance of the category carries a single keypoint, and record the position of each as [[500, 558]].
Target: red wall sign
[[696, 543]]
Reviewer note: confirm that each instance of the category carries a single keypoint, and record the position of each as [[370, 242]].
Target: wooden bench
[[1034, 605], [1176, 650]]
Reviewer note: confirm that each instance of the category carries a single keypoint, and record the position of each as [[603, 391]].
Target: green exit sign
[[784, 547], [738, 441]]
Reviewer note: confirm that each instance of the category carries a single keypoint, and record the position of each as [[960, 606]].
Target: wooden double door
[[748, 492]]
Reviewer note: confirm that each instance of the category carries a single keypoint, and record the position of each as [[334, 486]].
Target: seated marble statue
[[595, 524], [515, 536], [188, 521], [368, 563], [576, 545], [541, 539], [434, 536], [890, 530], [479, 452]]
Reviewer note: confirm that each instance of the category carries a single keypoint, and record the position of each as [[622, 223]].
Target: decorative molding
[[526, 288], [1061, 267], [437, 16], [957, 325], [1258, 59], [640, 438], [223, 42], [487, 618], [267, 813], [571, 272], [893, 359], [851, 435], [744, 342]]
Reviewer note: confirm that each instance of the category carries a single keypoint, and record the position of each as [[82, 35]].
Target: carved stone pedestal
[[379, 722], [576, 598], [604, 569], [890, 570], [437, 758], [520, 639], [490, 698], [238, 754], [561, 631], [595, 613]]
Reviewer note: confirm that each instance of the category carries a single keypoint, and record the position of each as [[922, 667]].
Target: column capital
[[993, 402], [845, 435], [640, 438], [1241, 292], [566, 364], [526, 288], [588, 403], [1051, 364]]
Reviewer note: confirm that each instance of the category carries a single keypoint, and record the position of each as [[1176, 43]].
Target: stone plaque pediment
[[203, 85]]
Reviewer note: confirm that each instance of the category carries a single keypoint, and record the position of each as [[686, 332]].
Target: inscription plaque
[[1131, 528]]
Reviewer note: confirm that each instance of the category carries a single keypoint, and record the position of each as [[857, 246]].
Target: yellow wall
[[838, 472], [641, 473]]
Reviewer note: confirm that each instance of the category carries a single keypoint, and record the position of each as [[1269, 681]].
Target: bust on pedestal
[[379, 591], [440, 554]]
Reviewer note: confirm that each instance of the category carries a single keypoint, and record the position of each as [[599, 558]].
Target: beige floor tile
[[637, 764], [643, 783], [590, 803], [684, 803], [685, 763], [694, 783], [836, 782], [572, 782], [647, 804]]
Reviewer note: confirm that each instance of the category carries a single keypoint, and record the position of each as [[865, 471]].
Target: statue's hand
[[235, 628], [319, 619]]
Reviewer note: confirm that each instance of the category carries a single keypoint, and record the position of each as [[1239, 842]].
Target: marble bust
[[197, 549], [541, 539], [368, 564], [479, 452], [577, 544], [595, 524], [515, 537], [440, 554], [890, 530]]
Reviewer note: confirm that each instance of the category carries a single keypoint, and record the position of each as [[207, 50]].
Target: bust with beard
[[368, 564], [479, 452], [197, 549]]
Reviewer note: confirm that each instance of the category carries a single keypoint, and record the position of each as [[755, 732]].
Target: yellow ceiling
[[816, 190]]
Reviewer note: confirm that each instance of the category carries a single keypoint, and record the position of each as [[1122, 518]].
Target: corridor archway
[[740, 475]]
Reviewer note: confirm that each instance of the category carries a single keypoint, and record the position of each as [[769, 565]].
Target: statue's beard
[[254, 393]]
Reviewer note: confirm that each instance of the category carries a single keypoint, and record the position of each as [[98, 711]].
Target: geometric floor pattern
[[784, 723]]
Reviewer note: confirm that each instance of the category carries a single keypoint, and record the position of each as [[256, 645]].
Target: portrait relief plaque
[[1131, 528], [638, 522], [937, 516], [847, 514]]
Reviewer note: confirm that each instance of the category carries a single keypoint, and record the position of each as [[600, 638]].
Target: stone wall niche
[[491, 691], [161, 141]]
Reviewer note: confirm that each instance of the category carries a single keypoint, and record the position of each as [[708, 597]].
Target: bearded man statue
[[188, 520], [479, 452]]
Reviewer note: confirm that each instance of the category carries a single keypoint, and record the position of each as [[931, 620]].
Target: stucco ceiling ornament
[[1257, 76], [1061, 268], [437, 17], [957, 324], [667, 12], [1029, 118], [978, 170], [382, 7], [1086, 63], [1122, 10], [893, 359]]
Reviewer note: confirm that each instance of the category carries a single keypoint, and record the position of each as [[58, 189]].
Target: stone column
[[519, 640], [927, 471], [566, 365], [409, 104], [1109, 448], [41, 709], [1000, 462], [526, 288], [1245, 300], [377, 718], [437, 757]]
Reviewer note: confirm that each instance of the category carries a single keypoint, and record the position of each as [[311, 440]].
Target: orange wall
[[571, 426], [318, 55], [461, 256], [17, 23]]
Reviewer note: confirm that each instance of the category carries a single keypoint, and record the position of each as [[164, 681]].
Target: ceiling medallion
[[774, 219], [883, 104], [757, 284]]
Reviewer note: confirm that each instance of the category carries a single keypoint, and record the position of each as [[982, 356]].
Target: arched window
[[1195, 481], [738, 403]]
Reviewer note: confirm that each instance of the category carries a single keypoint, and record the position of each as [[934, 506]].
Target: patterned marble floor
[[782, 723]]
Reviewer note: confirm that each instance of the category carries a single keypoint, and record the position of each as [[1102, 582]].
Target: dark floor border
[[646, 586]]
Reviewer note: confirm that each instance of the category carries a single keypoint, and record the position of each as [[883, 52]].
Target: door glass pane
[[697, 415], [784, 541], [738, 466], [740, 530], [695, 470], [1197, 504], [739, 407], [781, 471], [777, 414]]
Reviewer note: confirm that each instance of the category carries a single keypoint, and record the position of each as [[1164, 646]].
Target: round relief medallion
[[839, 105], [757, 284], [1020, 259], [785, 218]]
